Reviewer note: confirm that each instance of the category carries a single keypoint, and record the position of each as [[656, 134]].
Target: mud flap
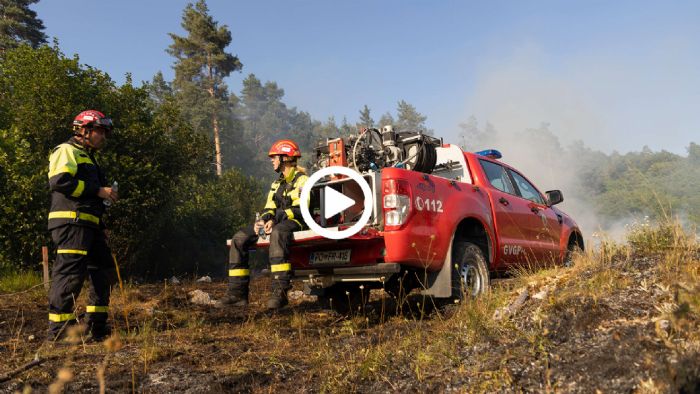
[[439, 283]]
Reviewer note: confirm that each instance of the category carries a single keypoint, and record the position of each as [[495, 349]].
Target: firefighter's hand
[[258, 225], [106, 193], [268, 226]]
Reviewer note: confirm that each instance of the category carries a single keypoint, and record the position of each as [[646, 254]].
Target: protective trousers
[[82, 252], [281, 240]]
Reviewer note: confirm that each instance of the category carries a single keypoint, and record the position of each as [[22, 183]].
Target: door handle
[[534, 209], [503, 201]]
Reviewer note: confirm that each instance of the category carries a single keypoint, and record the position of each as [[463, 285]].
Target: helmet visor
[[105, 123]]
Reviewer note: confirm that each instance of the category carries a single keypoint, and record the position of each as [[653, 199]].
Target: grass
[[634, 303], [12, 280]]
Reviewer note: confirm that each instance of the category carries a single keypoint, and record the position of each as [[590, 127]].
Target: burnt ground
[[619, 326]]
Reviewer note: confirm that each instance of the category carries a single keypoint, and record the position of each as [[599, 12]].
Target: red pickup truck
[[443, 232]]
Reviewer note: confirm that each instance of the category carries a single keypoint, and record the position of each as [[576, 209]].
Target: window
[[497, 176], [527, 191]]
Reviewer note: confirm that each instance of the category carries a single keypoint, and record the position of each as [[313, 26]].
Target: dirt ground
[[566, 337]]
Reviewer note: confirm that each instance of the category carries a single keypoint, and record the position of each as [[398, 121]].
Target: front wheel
[[470, 274], [572, 250]]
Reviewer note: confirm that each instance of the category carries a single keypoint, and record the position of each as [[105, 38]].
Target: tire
[[571, 250], [470, 273]]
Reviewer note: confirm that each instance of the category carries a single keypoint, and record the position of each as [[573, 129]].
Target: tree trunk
[[217, 143], [214, 118]]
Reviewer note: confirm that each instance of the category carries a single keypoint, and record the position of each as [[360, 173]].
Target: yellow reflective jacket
[[284, 198], [74, 181]]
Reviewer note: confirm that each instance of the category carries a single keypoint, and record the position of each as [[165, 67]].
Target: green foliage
[[203, 217], [163, 166], [23, 200], [659, 185], [32, 121], [19, 24], [647, 238]]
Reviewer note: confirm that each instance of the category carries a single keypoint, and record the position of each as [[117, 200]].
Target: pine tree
[[410, 119], [159, 89], [345, 128], [365, 118], [202, 64], [386, 120], [19, 24]]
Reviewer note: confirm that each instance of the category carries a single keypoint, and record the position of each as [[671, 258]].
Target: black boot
[[277, 300], [237, 295], [235, 300], [98, 331]]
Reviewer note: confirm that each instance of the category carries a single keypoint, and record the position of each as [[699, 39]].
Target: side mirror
[[554, 197]]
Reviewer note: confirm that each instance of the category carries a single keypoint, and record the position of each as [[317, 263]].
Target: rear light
[[396, 201]]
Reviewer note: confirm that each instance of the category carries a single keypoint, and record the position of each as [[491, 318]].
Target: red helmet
[[91, 118], [285, 148]]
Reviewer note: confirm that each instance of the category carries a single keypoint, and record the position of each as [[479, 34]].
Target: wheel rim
[[471, 280]]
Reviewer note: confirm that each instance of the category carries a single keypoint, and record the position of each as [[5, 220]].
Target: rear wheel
[[470, 274]]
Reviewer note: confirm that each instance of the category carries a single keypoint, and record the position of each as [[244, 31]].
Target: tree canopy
[[201, 65], [19, 24]]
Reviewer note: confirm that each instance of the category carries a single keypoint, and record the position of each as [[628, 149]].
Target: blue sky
[[616, 74]]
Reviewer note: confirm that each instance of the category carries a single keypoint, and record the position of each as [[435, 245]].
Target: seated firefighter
[[282, 217]]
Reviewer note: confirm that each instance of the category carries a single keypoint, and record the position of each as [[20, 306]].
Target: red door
[[542, 222], [511, 215]]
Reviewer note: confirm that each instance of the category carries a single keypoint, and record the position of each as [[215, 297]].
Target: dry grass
[[625, 317]]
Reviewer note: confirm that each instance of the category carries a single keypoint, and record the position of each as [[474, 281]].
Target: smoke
[[538, 120]]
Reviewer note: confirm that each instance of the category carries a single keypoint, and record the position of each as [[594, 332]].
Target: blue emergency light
[[490, 153]]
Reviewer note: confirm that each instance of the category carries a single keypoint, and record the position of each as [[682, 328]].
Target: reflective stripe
[[71, 215], [61, 317], [280, 267], [239, 272], [290, 214], [295, 193], [72, 251], [78, 189], [97, 309], [270, 204]]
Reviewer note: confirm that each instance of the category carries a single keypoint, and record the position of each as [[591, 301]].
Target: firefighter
[[78, 189], [281, 218]]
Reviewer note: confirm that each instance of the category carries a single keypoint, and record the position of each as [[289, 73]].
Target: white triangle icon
[[335, 202]]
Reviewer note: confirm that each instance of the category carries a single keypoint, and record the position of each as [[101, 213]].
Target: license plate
[[330, 257]]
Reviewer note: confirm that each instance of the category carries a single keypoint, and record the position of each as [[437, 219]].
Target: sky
[[618, 75]]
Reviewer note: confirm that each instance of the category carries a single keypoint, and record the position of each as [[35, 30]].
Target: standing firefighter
[[78, 189], [282, 217]]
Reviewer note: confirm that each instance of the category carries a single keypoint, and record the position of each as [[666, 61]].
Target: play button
[[335, 202]]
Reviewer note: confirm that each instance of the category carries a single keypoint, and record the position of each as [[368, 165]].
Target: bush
[[173, 213]]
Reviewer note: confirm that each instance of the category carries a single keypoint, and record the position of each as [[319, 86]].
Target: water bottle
[[261, 230], [107, 202]]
